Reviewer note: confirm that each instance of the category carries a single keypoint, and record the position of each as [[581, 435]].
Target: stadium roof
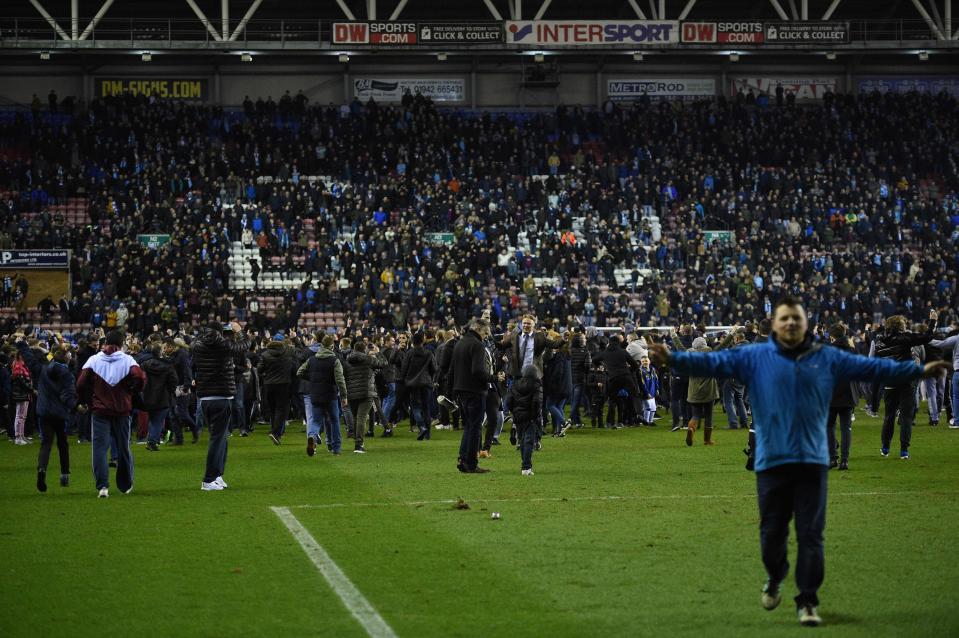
[[478, 9]]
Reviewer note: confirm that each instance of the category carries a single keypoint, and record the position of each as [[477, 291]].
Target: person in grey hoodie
[[323, 374]]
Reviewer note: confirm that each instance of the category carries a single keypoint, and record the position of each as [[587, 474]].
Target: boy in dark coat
[[526, 403], [596, 388]]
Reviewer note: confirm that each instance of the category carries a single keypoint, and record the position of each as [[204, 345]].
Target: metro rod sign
[[660, 88]]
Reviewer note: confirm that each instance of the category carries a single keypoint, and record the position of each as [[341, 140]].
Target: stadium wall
[[487, 85]]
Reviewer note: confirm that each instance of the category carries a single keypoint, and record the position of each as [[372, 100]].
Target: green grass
[[676, 554]]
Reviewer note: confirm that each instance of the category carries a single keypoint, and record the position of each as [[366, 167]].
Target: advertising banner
[[591, 32], [722, 236], [391, 33], [901, 84], [153, 241], [804, 88], [195, 89], [722, 32], [393, 89], [628, 90], [807, 32], [53, 259], [436, 239], [460, 33]]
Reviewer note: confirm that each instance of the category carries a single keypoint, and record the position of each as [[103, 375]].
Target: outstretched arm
[[720, 364]]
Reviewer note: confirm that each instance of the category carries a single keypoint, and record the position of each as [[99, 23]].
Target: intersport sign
[[722, 32], [591, 32]]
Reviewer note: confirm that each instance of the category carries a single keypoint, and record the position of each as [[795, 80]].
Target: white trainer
[[219, 481], [808, 616], [211, 487], [527, 472], [103, 493]]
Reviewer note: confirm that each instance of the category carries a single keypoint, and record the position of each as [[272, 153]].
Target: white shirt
[[530, 347]]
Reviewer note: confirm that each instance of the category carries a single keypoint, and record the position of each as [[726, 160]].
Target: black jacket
[[358, 371], [525, 401], [580, 363], [444, 362], [56, 391], [618, 362], [277, 364], [899, 345], [472, 365], [844, 395], [161, 382], [419, 368], [213, 356]]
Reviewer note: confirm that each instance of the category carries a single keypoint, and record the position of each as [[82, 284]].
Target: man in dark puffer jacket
[[213, 356], [158, 393], [277, 368], [360, 388]]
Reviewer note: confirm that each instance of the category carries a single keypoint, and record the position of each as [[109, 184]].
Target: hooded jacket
[[161, 382], [419, 368], [525, 399], [790, 391], [277, 364], [323, 373], [359, 375], [56, 391], [213, 356], [108, 381]]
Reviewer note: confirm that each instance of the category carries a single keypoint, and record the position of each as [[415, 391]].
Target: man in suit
[[527, 347]]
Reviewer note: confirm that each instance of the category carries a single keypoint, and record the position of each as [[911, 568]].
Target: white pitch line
[[352, 598], [558, 499]]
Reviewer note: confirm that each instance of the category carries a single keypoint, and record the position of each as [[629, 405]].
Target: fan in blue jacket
[[791, 380]]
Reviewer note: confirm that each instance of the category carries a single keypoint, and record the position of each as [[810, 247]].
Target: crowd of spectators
[[849, 203]]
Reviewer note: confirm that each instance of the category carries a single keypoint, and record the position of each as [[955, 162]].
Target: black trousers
[[794, 489], [279, 406], [844, 415], [901, 398], [473, 406], [54, 428], [492, 415]]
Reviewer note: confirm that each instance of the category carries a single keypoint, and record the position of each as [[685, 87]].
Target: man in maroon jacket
[[107, 383]]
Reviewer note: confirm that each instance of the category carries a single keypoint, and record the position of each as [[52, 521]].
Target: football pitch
[[619, 533]]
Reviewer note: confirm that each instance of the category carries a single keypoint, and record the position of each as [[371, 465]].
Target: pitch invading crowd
[[522, 380], [849, 204]]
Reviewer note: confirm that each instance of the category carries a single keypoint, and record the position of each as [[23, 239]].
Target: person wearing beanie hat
[[107, 383], [701, 393]]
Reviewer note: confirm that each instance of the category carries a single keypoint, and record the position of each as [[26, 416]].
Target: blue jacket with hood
[[790, 391]]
